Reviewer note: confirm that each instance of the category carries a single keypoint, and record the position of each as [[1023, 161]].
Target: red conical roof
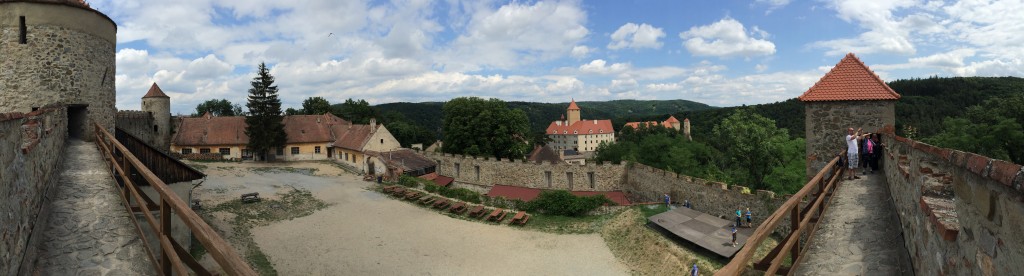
[[572, 105], [672, 119], [155, 92], [849, 80]]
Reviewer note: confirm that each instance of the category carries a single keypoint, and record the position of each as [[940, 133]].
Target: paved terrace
[[860, 234], [89, 232]]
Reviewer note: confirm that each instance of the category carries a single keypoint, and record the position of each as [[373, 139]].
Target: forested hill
[[925, 103], [428, 114]]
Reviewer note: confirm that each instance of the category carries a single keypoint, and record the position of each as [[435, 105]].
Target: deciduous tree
[[479, 127], [315, 106]]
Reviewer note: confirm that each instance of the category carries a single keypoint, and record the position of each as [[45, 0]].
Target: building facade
[[579, 135]]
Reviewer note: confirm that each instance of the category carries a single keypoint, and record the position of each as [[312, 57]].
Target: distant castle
[[671, 122], [578, 135]]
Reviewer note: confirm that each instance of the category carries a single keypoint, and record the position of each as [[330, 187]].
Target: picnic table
[[520, 218], [250, 197], [458, 207], [497, 215], [477, 211], [413, 195], [442, 203], [427, 199], [398, 191]]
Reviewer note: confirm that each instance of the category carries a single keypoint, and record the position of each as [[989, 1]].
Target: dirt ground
[[363, 232]]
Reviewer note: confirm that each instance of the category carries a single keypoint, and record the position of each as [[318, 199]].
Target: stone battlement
[[960, 212]]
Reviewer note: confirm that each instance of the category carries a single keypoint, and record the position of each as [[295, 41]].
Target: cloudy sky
[[722, 53]]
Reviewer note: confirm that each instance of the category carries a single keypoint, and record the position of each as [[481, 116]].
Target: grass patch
[[651, 210], [646, 252], [567, 225], [294, 204], [197, 250]]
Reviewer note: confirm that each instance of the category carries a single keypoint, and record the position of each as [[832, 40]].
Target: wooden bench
[[398, 191], [477, 211], [520, 218], [458, 207], [497, 215], [442, 203], [427, 200], [390, 189], [413, 195], [250, 197]]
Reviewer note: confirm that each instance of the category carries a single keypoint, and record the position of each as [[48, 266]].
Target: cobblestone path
[[860, 234], [89, 232]]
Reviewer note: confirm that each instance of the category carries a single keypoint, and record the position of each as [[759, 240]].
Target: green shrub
[[431, 187], [408, 181], [565, 204]]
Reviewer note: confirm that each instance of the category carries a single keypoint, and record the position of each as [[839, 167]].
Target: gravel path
[[89, 232], [860, 235]]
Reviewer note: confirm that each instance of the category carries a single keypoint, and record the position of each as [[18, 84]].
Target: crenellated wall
[[961, 213], [30, 149], [480, 171], [648, 184]]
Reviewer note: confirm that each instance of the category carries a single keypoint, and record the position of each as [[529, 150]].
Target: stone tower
[[850, 95], [573, 112], [158, 105], [58, 51], [686, 128]]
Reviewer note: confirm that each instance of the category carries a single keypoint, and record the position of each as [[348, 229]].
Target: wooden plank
[[173, 262], [188, 259], [218, 248]]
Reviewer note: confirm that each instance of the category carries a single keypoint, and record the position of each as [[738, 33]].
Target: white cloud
[[884, 31], [773, 4], [580, 51], [636, 36], [597, 66], [725, 38]]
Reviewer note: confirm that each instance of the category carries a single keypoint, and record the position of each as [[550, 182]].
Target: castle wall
[[827, 123], [69, 58], [961, 213], [484, 172], [648, 184], [138, 123], [30, 149]]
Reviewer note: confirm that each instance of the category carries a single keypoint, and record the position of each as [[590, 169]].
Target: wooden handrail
[[171, 258], [739, 262]]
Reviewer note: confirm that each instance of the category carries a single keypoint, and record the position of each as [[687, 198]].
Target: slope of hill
[[428, 114]]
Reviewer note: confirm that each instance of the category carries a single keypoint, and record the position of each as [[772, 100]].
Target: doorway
[[78, 116]]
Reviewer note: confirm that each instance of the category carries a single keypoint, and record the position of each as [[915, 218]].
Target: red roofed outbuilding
[[848, 96]]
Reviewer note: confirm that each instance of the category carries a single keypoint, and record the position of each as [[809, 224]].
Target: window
[[295, 150], [225, 151], [316, 149], [381, 141], [457, 173], [346, 156], [590, 176], [154, 128], [22, 31], [204, 150], [186, 151], [547, 178], [280, 151], [568, 177], [477, 170]]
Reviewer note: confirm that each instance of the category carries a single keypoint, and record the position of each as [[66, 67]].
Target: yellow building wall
[[236, 150], [355, 158], [307, 151]]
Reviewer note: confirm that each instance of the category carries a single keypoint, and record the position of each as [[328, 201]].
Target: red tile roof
[[543, 154], [155, 92], [581, 127], [849, 80], [311, 128], [667, 123], [573, 106], [528, 194], [230, 130], [352, 137], [672, 119]]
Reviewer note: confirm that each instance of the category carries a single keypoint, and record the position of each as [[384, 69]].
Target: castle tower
[[848, 96], [573, 112], [158, 105], [673, 123], [58, 52], [686, 128]]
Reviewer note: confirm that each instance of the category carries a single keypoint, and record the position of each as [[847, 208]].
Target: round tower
[[58, 52], [158, 105]]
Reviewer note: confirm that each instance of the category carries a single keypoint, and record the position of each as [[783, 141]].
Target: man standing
[[852, 155]]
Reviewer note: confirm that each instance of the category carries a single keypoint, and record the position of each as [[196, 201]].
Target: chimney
[[373, 125]]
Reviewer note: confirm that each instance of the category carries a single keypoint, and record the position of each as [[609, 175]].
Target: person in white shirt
[[852, 155]]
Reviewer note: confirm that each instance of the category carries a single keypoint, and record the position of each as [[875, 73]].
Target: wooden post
[[165, 231], [794, 221]]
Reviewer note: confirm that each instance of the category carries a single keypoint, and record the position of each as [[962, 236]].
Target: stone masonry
[[961, 213], [827, 123], [30, 150], [479, 171]]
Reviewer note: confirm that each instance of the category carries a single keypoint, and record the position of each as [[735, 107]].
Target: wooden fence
[[815, 197], [173, 257]]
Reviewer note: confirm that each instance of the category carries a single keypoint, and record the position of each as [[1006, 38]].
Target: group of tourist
[[668, 202], [863, 150]]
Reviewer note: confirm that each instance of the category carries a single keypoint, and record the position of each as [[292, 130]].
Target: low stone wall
[[481, 171], [30, 149], [961, 213], [137, 123], [648, 184]]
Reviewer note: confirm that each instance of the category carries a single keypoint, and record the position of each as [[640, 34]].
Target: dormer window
[[575, 132], [591, 131], [565, 132], [600, 131]]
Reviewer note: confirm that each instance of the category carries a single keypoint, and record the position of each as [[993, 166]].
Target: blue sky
[[722, 53]]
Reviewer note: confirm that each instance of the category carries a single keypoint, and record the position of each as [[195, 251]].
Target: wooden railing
[[815, 197], [173, 257], [167, 168]]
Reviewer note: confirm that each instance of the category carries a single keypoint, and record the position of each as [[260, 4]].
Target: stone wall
[[69, 58], [139, 124], [30, 149], [648, 184], [827, 123], [961, 213], [482, 171]]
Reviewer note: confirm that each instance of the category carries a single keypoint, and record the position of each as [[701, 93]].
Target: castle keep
[[58, 52]]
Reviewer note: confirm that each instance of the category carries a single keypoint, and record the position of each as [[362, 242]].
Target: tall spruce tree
[[263, 123]]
